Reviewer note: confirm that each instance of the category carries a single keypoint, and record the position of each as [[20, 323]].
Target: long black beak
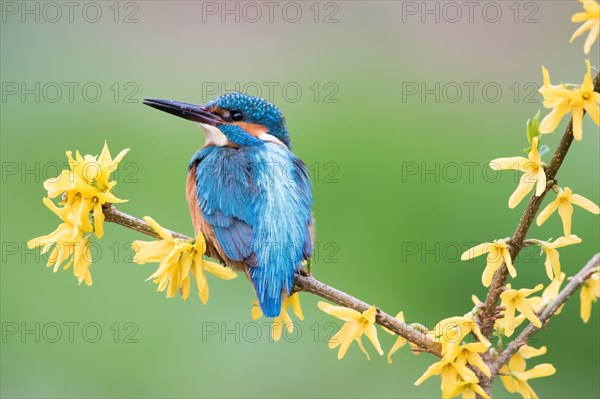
[[191, 112]]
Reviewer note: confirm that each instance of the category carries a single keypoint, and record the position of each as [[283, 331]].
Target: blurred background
[[396, 108]]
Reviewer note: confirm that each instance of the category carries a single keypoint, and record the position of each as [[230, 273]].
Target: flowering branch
[[577, 281], [301, 283], [518, 238]]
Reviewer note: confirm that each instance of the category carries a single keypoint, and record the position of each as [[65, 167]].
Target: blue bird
[[248, 193]]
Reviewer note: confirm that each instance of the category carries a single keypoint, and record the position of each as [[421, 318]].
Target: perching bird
[[248, 193]]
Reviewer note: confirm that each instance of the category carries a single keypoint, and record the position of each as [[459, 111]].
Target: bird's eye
[[237, 115]]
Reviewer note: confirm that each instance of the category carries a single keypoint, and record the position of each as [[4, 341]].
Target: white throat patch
[[213, 135]]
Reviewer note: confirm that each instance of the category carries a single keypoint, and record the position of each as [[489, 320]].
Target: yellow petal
[[98, 220], [161, 231], [294, 301], [586, 297], [400, 342], [528, 351], [371, 333], [541, 370], [255, 312], [434, 369], [593, 35], [340, 312], [370, 314], [516, 163], [565, 210], [546, 212], [551, 121], [362, 348], [508, 262], [584, 203], [476, 251], [494, 261], [222, 272], [541, 182], [592, 108], [476, 360], [525, 308], [524, 187], [577, 123]]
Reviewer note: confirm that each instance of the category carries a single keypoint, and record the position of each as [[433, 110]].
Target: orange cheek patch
[[252, 128]]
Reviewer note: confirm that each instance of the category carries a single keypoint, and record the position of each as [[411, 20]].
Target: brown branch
[[301, 283], [529, 331]]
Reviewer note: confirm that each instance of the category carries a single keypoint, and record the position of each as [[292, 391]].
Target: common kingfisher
[[248, 193]]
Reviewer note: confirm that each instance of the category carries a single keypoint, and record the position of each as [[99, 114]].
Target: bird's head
[[233, 119]]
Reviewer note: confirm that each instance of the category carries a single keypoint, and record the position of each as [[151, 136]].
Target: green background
[[388, 237]]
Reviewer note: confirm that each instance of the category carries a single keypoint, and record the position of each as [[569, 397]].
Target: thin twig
[[301, 283], [529, 331]]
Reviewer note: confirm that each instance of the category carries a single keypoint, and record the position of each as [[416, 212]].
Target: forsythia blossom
[[449, 370], [552, 262], [533, 173], [69, 246], [515, 377], [563, 202], [400, 341], [284, 318], [497, 252], [591, 16], [84, 188], [517, 299], [177, 259], [456, 377], [562, 101], [356, 324], [451, 331]]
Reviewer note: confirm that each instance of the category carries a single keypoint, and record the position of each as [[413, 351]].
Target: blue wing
[[225, 193]]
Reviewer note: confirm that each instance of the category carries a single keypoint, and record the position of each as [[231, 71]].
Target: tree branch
[[301, 283], [576, 282]]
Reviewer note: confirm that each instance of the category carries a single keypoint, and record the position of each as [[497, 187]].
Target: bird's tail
[[271, 284]]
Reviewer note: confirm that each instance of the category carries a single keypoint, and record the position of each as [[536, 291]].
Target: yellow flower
[[469, 354], [591, 16], [563, 202], [562, 101], [497, 253], [451, 331], [548, 295], [590, 291], [86, 187], [517, 299], [400, 341], [177, 259], [552, 262], [515, 378], [449, 371], [70, 247], [284, 318], [533, 172], [469, 390], [356, 324]]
